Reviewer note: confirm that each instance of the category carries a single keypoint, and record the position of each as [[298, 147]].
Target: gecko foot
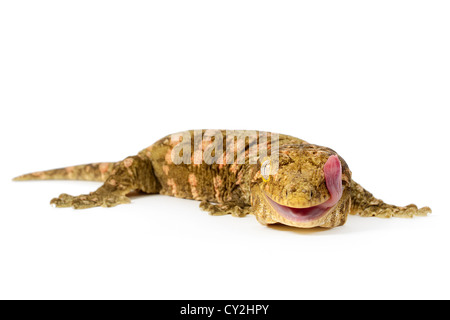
[[223, 209], [89, 200], [387, 211]]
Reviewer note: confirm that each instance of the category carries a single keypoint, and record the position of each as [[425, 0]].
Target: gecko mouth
[[333, 178]]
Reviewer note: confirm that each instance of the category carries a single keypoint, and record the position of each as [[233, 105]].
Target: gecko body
[[277, 178]]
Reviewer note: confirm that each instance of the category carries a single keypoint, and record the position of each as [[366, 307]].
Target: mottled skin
[[237, 189]]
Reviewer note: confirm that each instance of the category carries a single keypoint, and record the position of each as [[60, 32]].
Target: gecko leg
[[223, 209], [133, 173], [366, 205]]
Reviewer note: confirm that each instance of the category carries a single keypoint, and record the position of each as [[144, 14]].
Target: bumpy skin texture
[[237, 189]]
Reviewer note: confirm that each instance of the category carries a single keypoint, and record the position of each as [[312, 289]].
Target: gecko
[[277, 178]]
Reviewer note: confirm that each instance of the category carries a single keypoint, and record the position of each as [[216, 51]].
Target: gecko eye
[[266, 168]]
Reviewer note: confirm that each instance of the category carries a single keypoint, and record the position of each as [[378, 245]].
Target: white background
[[89, 81]]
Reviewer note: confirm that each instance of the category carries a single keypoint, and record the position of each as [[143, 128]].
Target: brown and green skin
[[236, 189]]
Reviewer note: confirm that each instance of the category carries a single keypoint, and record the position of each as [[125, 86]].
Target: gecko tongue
[[333, 178]]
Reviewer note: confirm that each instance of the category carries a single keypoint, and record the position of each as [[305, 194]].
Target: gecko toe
[[63, 201]]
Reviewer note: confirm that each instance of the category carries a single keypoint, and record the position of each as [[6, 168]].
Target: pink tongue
[[333, 178]]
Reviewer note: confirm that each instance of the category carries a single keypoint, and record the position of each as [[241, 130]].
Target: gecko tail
[[86, 172]]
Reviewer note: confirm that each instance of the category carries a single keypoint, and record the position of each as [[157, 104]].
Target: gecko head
[[303, 186]]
